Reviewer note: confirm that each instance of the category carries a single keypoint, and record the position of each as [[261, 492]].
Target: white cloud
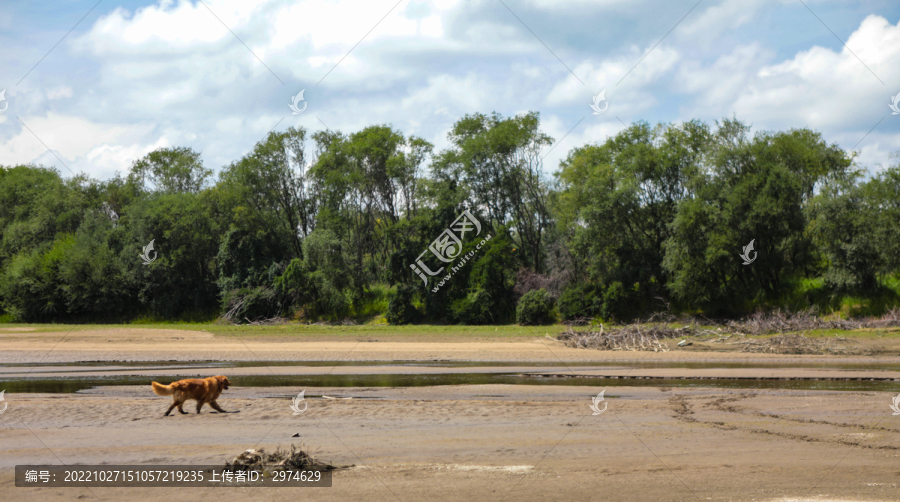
[[73, 139], [819, 88], [172, 74], [592, 130], [59, 92], [706, 26], [626, 92], [164, 29]]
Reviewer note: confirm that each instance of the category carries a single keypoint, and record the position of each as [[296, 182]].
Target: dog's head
[[223, 382]]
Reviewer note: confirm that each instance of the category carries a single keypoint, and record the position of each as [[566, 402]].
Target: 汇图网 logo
[[296, 99], [895, 105], [895, 406], [296, 403], [746, 254], [597, 400], [448, 245], [596, 105], [146, 254]]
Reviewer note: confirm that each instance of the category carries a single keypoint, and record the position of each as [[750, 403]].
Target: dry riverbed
[[460, 442]]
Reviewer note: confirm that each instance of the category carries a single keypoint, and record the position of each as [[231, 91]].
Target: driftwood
[[272, 321], [799, 344], [779, 321], [651, 334], [637, 336], [281, 459], [344, 322]]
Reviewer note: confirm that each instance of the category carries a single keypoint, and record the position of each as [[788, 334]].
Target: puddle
[[74, 384], [859, 366]]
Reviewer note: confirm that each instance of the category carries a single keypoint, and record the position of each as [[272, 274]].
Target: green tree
[[91, 276], [268, 189], [499, 164], [170, 170], [617, 202], [882, 203], [752, 192], [36, 204], [841, 222], [369, 186], [181, 280]]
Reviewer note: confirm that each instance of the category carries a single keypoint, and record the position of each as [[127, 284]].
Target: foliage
[[535, 308], [652, 217], [753, 192], [618, 201], [578, 301], [401, 309], [170, 170]]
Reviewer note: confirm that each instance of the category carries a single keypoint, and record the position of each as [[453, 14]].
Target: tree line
[[653, 218]]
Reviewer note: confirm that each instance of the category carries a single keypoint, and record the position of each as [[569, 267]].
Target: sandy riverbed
[[448, 443]]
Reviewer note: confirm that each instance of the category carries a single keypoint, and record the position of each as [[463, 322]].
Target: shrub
[[577, 301], [618, 303], [401, 309], [535, 307], [477, 308], [250, 304]]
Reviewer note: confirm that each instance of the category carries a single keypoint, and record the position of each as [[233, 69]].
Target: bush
[[401, 309], [619, 303], [577, 301], [486, 295], [535, 308], [250, 304], [478, 308]]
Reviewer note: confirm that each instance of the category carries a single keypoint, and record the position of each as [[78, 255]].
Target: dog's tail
[[162, 390]]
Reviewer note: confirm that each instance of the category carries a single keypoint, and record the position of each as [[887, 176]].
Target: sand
[[459, 443]]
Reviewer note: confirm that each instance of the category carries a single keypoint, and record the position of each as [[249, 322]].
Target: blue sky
[[139, 75]]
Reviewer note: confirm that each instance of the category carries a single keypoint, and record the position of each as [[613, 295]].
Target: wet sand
[[488, 442], [467, 442], [140, 344]]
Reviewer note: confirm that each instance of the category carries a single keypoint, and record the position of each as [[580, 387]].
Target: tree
[[882, 202], [498, 161], [617, 202], [36, 204], [751, 192], [369, 185], [269, 189], [182, 278], [842, 222], [170, 170]]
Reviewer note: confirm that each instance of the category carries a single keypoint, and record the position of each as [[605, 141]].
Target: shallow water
[[74, 384], [862, 364]]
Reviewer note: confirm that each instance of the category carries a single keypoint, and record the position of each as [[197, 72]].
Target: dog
[[204, 390]]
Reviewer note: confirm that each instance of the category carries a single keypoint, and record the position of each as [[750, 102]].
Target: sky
[[92, 86]]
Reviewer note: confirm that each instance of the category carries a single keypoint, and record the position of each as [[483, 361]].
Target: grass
[[384, 332], [427, 332], [807, 292]]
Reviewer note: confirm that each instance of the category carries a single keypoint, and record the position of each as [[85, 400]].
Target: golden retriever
[[204, 390]]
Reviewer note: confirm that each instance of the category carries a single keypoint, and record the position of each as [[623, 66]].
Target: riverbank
[[458, 442]]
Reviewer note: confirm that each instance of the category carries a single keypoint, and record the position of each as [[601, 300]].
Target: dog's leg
[[216, 407], [180, 409], [199, 405], [170, 409]]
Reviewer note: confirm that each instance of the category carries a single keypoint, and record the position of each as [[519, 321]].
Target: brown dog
[[203, 391]]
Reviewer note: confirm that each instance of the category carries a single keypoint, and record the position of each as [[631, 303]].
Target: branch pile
[[799, 344], [650, 335], [638, 336], [779, 321], [281, 459]]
